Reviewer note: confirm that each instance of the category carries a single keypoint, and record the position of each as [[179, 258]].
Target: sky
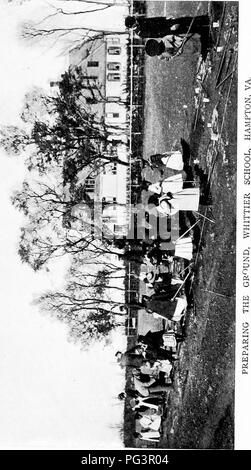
[[47, 384]]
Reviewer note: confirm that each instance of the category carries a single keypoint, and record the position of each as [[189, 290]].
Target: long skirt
[[158, 354], [164, 283], [162, 296], [185, 200], [172, 184], [184, 248], [164, 308], [170, 310], [153, 339], [181, 307]]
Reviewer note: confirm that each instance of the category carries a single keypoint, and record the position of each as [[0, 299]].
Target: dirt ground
[[200, 406]]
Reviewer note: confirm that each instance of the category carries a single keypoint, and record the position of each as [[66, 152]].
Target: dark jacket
[[159, 26]]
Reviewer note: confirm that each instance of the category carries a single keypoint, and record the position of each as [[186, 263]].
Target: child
[[165, 49]]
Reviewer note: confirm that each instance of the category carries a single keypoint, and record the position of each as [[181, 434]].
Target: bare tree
[[89, 305], [76, 35], [85, 325], [42, 241]]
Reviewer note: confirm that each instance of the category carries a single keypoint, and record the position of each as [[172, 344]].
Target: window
[[114, 200], [108, 219], [92, 63], [114, 172], [113, 50], [90, 77], [113, 77], [112, 115], [113, 66], [134, 284], [113, 40], [90, 184], [113, 98], [107, 200], [119, 228]]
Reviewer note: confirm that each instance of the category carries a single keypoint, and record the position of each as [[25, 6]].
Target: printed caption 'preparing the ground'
[[246, 230]]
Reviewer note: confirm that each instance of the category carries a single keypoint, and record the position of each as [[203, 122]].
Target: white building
[[104, 61]]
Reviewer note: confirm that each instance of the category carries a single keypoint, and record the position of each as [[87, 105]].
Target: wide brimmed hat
[[130, 21], [154, 47]]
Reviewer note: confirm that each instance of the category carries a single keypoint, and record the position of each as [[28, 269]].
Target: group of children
[[172, 195], [163, 272], [167, 187], [151, 363]]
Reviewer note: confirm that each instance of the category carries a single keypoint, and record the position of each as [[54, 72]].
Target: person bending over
[[159, 26]]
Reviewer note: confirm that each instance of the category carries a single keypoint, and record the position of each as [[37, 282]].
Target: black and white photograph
[[118, 147]]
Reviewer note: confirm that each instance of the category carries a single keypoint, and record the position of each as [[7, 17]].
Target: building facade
[[104, 65]]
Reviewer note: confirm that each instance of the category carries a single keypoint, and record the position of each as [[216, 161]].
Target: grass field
[[200, 411]]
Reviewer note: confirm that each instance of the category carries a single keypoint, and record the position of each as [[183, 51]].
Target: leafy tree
[[71, 135], [36, 106], [14, 140]]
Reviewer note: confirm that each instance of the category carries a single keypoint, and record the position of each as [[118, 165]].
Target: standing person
[[172, 184], [159, 26], [145, 402], [166, 308], [129, 359], [185, 200], [155, 354]]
